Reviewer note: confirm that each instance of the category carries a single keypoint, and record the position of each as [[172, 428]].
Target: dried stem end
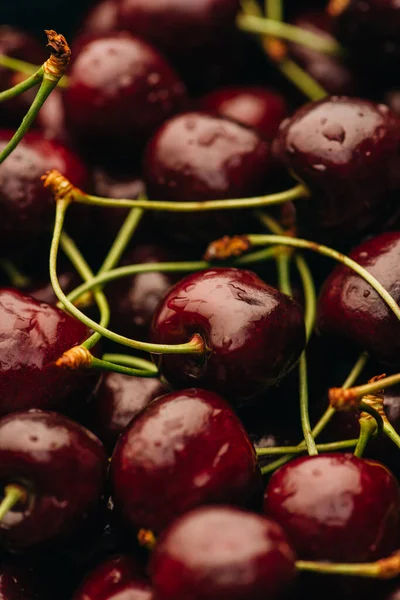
[[389, 567], [349, 399], [275, 49], [60, 55], [75, 358], [146, 538], [60, 187], [336, 7], [227, 247]]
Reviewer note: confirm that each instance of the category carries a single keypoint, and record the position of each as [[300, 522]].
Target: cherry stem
[[13, 494], [194, 346], [304, 413], [290, 33], [385, 568], [328, 447], [259, 240], [310, 297], [17, 279], [23, 86], [70, 249], [339, 396], [391, 432], [123, 238], [367, 428], [326, 417], [104, 365], [130, 361], [274, 9], [283, 260], [20, 66]]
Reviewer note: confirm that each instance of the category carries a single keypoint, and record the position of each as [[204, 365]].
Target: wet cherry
[[336, 507], [222, 552], [61, 466], [347, 151], [254, 334], [186, 449]]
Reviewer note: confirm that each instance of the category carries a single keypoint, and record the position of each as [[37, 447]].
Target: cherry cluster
[[199, 318]]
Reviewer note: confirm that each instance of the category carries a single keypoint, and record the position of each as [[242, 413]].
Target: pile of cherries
[[178, 416]]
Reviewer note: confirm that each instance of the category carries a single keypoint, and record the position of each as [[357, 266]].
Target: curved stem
[[328, 447], [385, 568], [130, 361], [390, 431], [359, 391], [22, 87], [367, 428], [260, 240], [290, 33], [302, 80], [104, 365], [122, 240], [310, 296], [283, 260], [20, 66], [194, 346], [304, 414], [326, 417], [13, 494]]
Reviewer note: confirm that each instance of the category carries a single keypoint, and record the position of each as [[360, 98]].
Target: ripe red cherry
[[222, 552], [121, 89], [253, 332], [116, 578], [186, 449], [200, 157], [348, 307], [258, 107], [336, 507], [177, 27], [347, 151], [119, 399], [62, 467], [27, 208], [34, 335]]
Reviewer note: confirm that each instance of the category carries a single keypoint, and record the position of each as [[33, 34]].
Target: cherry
[[213, 553], [27, 208], [34, 335], [336, 507], [176, 27], [254, 334], [346, 150], [348, 307], [61, 466], [200, 157], [18, 581], [116, 578], [121, 89], [331, 72], [258, 107], [185, 449], [118, 399]]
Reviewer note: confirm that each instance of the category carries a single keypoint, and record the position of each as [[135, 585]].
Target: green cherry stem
[[290, 33], [20, 66], [390, 431], [302, 80], [104, 365], [353, 394], [131, 361], [385, 568], [283, 260], [326, 417], [123, 238], [13, 494], [274, 9], [310, 296], [328, 447], [17, 279], [23, 86], [367, 429], [194, 346], [304, 412]]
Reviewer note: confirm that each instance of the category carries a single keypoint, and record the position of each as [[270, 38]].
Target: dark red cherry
[[26, 207], [62, 467], [254, 334], [200, 157], [117, 578], [101, 18], [258, 107], [348, 307], [133, 300], [177, 27], [336, 507], [334, 75], [118, 399], [34, 335], [184, 450], [347, 151], [121, 89], [19, 581], [213, 553]]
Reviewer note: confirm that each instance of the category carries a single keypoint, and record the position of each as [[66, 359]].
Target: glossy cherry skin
[[184, 450], [258, 107], [334, 75], [26, 207], [34, 335], [336, 507], [196, 156], [346, 150], [348, 307], [254, 334], [62, 466], [121, 89], [213, 553], [177, 27], [117, 578], [118, 399]]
